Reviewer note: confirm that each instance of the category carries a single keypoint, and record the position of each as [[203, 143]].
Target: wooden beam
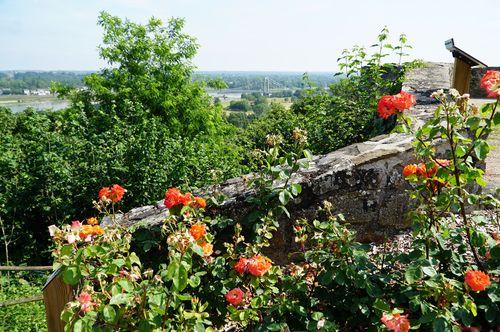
[[23, 300], [25, 268]]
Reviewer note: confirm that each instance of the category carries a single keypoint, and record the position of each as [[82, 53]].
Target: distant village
[[27, 92]]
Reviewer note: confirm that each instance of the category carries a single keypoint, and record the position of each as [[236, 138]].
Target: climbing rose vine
[[200, 272]]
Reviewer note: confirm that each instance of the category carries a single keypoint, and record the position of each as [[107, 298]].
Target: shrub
[[345, 113], [142, 120], [26, 316], [447, 281]]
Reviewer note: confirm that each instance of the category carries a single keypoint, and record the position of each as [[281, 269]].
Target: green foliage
[[345, 113], [278, 121], [22, 317], [333, 283], [142, 120]]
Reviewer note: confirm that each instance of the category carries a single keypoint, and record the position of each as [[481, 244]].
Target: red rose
[[385, 107], [477, 280], [491, 83], [174, 197], [242, 265], [104, 193], [235, 296], [396, 322]]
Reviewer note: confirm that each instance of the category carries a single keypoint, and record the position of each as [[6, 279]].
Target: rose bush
[[211, 272]]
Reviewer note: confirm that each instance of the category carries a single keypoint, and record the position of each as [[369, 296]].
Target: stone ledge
[[363, 181]]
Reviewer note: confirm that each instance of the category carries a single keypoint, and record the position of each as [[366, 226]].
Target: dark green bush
[[142, 123], [25, 317]]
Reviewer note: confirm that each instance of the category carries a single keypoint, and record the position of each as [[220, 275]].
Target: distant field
[[4, 99], [286, 104]]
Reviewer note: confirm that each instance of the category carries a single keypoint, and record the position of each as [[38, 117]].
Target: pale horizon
[[279, 36]]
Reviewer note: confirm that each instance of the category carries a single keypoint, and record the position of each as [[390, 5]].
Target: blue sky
[[291, 35]]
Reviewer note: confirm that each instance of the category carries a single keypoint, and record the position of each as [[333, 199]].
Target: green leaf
[[78, 326], [381, 305], [481, 149], [439, 325], [194, 281], [109, 314], [180, 277], [126, 285], [121, 299], [134, 259], [496, 118], [412, 274], [473, 122], [72, 275], [429, 270]]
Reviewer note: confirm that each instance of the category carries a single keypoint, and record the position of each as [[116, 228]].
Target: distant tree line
[[14, 82], [281, 80]]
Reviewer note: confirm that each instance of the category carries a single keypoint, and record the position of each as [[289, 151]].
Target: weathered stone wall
[[362, 181], [475, 89]]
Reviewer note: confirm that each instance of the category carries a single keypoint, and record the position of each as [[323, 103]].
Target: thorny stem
[[422, 142], [482, 130], [456, 172]]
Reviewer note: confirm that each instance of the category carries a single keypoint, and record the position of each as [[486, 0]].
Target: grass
[[27, 316]]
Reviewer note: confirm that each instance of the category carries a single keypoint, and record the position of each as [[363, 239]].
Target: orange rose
[[92, 221], [174, 197], [208, 248], [242, 265], [477, 280], [97, 230], [117, 193], [409, 170], [259, 265], [114, 194], [403, 101], [385, 107], [198, 231], [85, 231], [104, 193], [199, 203], [389, 105], [421, 169], [443, 162]]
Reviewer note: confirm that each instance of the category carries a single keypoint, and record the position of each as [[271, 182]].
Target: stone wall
[[362, 181]]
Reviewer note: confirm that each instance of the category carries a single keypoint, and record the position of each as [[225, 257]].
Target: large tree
[[149, 74]]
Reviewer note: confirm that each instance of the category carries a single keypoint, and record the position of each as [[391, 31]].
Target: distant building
[[40, 92]]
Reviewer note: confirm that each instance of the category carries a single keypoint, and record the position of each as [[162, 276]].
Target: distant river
[[20, 103], [229, 94], [41, 104]]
